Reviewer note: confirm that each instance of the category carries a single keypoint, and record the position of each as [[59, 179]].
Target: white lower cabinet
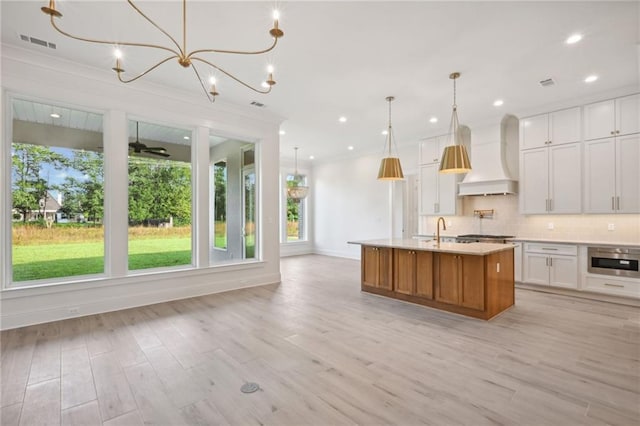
[[551, 264], [517, 262], [612, 285]]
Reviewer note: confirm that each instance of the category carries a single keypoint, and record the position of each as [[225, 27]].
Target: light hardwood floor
[[325, 353]]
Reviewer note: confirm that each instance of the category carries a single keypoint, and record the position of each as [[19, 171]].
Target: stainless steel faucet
[[444, 228]]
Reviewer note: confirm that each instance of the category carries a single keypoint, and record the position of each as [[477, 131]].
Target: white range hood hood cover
[[494, 160]]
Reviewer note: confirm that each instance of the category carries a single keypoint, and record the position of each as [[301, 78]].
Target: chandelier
[[455, 158], [390, 168], [295, 190], [177, 51]]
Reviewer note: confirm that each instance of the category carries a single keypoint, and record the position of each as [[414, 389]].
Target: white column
[[116, 187], [200, 204]]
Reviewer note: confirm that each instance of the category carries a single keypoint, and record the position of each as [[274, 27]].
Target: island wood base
[[479, 286]]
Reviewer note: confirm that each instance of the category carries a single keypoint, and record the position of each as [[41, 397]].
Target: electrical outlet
[[611, 227], [74, 310], [550, 226]]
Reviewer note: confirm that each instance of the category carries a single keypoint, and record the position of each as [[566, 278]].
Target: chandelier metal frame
[[185, 58]]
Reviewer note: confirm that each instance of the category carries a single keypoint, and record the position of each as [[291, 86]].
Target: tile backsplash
[[507, 220]]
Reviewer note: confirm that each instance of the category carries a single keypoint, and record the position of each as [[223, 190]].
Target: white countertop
[[574, 241], [549, 240], [478, 249]]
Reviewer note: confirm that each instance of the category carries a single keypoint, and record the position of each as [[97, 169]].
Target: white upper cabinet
[[550, 180], [431, 149], [615, 117], [612, 175], [553, 128], [628, 115]]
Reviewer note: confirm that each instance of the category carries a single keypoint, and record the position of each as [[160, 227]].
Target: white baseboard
[[39, 309], [336, 253]]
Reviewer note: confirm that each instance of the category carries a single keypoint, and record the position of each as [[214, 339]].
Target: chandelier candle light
[[390, 168], [177, 51], [455, 158], [297, 191]]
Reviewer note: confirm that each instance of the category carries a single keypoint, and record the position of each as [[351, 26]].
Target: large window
[[159, 196], [233, 196], [220, 205], [57, 192], [296, 211]]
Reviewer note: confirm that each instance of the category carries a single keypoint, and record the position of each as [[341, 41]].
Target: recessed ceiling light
[[433, 120], [591, 79], [282, 132], [186, 138], [311, 157], [573, 38], [342, 119], [385, 132], [54, 115], [350, 148], [498, 102]]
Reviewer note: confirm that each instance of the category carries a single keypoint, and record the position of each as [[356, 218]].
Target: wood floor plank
[[325, 353], [10, 415], [16, 364], [82, 415], [77, 377], [112, 389], [41, 404]]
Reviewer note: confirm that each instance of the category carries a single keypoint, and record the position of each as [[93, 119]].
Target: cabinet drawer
[[612, 286], [551, 249]]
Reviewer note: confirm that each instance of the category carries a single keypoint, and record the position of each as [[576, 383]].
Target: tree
[[85, 195], [220, 185], [159, 189], [28, 187]]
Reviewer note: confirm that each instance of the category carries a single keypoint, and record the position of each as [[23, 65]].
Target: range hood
[[494, 160]]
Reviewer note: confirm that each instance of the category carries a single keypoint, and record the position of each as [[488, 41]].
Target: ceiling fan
[[138, 147]]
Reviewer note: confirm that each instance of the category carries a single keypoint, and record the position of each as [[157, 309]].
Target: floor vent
[[37, 41], [548, 82], [258, 104]]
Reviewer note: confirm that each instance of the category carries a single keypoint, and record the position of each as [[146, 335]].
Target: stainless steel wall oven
[[621, 262]]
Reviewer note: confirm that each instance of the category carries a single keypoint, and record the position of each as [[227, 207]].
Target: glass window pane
[[159, 196], [296, 211], [220, 205], [57, 191]]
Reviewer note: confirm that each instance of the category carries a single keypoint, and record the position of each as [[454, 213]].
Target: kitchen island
[[475, 279]]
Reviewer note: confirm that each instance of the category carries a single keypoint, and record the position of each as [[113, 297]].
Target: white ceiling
[[344, 58]]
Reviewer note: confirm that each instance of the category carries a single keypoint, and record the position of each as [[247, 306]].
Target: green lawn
[[35, 262]]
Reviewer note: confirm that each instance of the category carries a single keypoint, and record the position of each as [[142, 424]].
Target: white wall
[[48, 79], [351, 204]]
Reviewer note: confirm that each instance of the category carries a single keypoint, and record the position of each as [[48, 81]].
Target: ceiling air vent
[[258, 104], [548, 82], [37, 41]]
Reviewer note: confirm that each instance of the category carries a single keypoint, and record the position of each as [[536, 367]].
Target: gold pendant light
[[178, 51], [390, 168], [297, 191], [455, 158]]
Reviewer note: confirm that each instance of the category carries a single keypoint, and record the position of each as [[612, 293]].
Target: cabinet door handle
[[549, 248], [435, 160], [618, 203], [550, 204], [546, 205], [546, 261], [614, 285], [613, 132], [551, 261], [617, 132], [613, 203]]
